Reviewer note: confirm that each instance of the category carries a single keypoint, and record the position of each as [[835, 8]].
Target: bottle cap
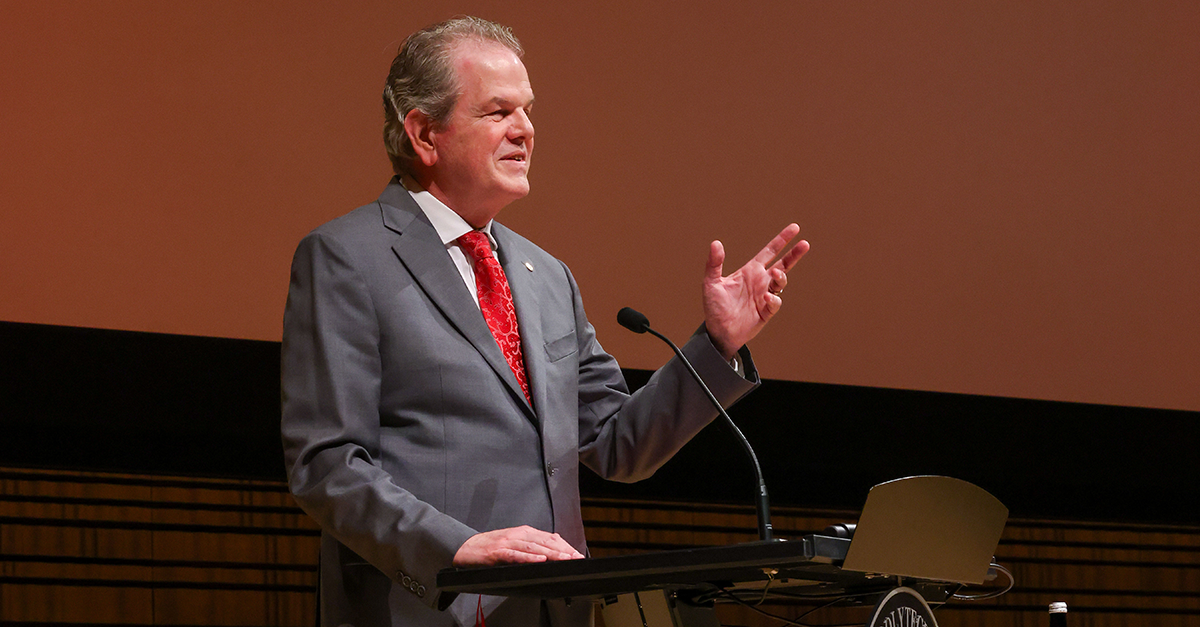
[[1058, 607]]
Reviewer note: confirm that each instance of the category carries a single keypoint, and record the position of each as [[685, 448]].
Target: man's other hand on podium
[[514, 545]]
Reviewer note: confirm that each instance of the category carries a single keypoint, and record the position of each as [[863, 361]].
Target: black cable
[[989, 595], [796, 621]]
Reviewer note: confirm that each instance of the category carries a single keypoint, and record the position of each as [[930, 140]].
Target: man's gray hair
[[422, 78]]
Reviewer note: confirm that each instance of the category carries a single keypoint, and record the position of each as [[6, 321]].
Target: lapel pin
[[529, 266]]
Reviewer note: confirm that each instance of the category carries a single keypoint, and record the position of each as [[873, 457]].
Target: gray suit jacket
[[405, 432]]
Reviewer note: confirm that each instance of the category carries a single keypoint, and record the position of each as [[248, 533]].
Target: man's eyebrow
[[505, 102]]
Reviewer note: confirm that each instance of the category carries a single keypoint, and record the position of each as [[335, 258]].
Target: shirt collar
[[449, 225]]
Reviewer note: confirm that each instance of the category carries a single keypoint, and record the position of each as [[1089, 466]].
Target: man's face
[[484, 149]]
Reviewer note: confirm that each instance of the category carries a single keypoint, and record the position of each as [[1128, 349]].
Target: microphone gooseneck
[[638, 323]]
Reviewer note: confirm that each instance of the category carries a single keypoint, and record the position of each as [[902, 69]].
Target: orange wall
[[1002, 197]]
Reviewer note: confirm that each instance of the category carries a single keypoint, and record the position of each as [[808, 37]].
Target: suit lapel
[[421, 251]]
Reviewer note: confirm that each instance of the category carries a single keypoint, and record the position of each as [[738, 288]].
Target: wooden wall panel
[[152, 550], [48, 603], [87, 548]]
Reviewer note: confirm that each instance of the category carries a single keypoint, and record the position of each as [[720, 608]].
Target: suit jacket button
[[406, 581], [421, 591]]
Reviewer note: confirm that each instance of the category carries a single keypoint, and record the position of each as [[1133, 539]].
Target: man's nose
[[522, 127]]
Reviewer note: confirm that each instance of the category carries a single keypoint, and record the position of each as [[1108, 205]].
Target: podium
[[923, 536]]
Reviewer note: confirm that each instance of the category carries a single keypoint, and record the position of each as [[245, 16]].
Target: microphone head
[[633, 320]]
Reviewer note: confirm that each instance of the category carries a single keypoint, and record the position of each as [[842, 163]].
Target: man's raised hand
[[738, 306]]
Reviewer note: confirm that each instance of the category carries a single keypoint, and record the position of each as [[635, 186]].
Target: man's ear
[[419, 128]]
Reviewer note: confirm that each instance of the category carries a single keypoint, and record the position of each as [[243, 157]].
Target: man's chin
[[517, 188]]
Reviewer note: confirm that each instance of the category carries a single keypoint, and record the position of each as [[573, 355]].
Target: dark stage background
[[158, 403]]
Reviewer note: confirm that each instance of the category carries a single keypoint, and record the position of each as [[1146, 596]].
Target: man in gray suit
[[421, 430]]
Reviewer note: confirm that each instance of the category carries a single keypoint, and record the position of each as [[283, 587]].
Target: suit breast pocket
[[561, 348]]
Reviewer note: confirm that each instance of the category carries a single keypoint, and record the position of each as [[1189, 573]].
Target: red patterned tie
[[495, 300]]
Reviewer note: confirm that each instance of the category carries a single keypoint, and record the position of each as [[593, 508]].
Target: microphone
[[634, 320], [638, 323]]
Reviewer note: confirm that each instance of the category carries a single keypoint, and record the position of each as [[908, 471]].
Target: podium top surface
[[810, 560], [937, 530]]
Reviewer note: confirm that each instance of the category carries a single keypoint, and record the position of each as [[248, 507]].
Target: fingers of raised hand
[[777, 245], [793, 255], [772, 303], [777, 282], [716, 261]]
